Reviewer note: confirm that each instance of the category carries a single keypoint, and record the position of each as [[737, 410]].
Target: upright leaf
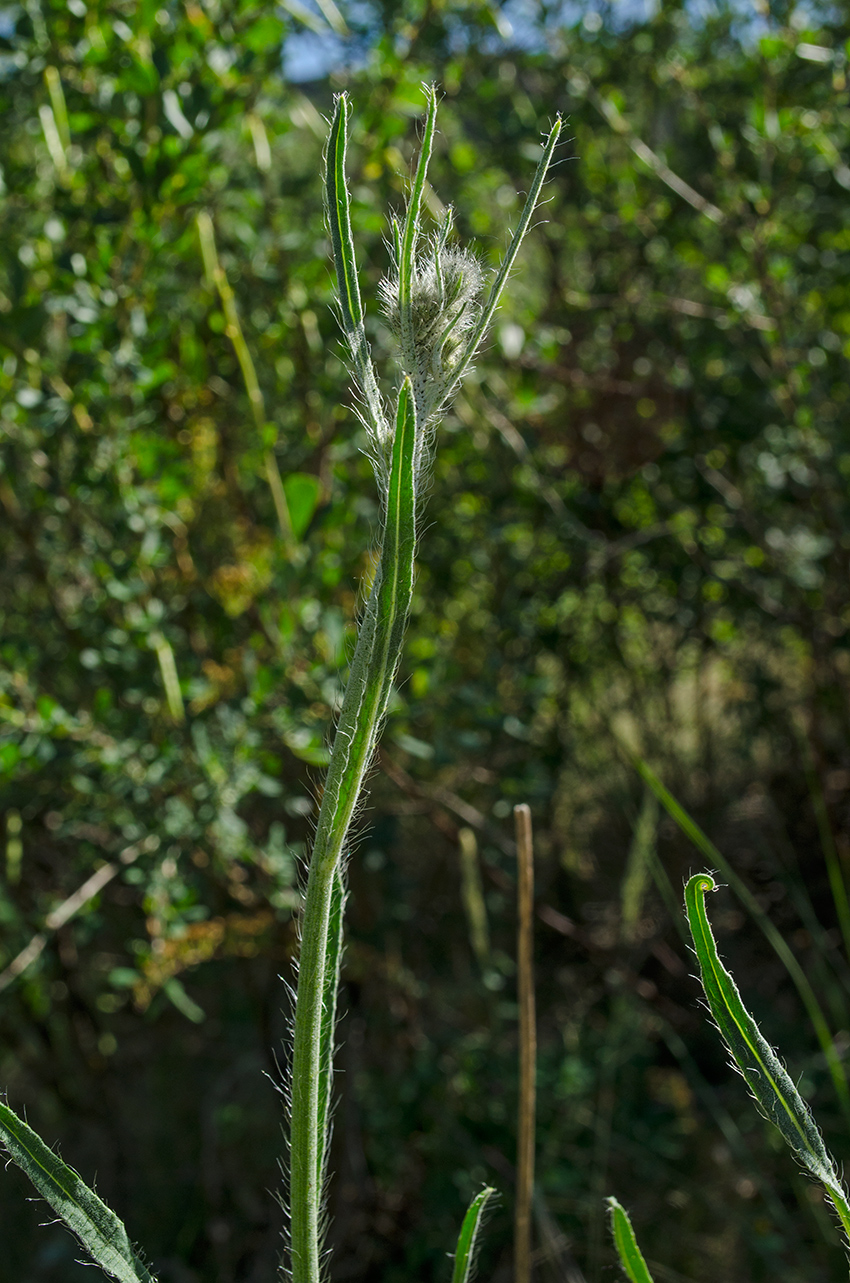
[[467, 1243], [498, 286], [631, 1257], [350, 306], [410, 231], [373, 666]]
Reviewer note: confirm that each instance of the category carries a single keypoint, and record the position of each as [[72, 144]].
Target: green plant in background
[[772, 1089], [434, 303]]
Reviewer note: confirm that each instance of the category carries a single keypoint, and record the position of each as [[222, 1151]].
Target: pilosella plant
[[438, 306]]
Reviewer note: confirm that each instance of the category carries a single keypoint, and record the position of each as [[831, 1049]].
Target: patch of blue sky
[[519, 25], [311, 55], [314, 54], [531, 27], [8, 20], [526, 26]]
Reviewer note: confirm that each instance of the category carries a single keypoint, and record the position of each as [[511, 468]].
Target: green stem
[[373, 666]]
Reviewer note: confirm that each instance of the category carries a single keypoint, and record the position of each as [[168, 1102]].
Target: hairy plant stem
[[373, 666], [399, 457]]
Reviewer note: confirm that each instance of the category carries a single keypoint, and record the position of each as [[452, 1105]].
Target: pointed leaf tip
[[467, 1243], [631, 1257]]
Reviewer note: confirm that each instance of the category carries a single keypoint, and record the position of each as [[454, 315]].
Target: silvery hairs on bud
[[446, 302], [433, 297]]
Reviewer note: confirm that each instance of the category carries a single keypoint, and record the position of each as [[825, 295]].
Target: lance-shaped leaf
[[631, 1257], [756, 1060], [498, 286], [98, 1229], [467, 1243], [410, 231], [350, 307]]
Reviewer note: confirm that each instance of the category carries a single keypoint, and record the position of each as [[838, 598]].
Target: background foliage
[[637, 538]]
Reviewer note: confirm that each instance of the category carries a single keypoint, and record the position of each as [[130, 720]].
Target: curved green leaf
[[758, 1063], [95, 1225], [780, 946]]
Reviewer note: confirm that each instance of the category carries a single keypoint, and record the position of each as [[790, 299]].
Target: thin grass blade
[[756, 1060], [837, 885], [631, 1257], [350, 306], [95, 1225], [639, 865], [467, 1243], [807, 994]]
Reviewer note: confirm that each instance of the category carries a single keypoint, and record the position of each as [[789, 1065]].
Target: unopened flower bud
[[445, 306]]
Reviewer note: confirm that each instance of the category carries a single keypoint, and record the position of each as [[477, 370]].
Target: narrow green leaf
[[758, 1063], [638, 868], [631, 1257], [396, 589], [98, 1229], [467, 1243], [350, 306], [504, 272], [410, 231], [827, 841], [339, 216], [780, 946]]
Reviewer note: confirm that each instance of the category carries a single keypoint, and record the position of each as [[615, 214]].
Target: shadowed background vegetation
[[637, 539]]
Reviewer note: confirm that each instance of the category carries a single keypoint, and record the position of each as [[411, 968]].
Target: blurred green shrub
[[651, 470]]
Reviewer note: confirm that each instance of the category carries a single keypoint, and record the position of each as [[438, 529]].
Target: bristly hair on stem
[[434, 303]]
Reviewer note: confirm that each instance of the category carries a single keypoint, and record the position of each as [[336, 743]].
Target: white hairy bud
[[446, 293]]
